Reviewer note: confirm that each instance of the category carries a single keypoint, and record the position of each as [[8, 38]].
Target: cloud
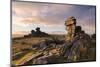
[[50, 17], [23, 9], [39, 12]]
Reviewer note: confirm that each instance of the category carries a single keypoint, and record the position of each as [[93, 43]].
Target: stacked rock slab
[[70, 24]]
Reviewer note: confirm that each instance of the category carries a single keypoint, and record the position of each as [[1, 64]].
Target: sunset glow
[[50, 17]]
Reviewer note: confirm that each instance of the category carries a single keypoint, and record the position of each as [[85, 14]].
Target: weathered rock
[[75, 48], [70, 24]]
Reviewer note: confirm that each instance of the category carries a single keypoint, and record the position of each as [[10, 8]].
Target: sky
[[50, 17]]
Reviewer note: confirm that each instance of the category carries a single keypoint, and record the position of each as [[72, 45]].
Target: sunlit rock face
[[70, 24]]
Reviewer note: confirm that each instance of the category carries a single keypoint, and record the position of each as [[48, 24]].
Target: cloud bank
[[51, 17]]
